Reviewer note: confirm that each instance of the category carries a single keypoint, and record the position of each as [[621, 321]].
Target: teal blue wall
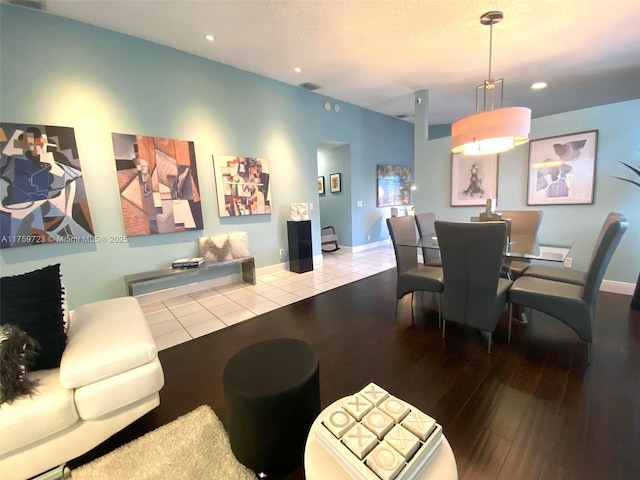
[[55, 71], [335, 208], [618, 128]]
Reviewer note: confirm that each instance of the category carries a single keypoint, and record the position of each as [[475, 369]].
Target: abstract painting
[[474, 179], [394, 185], [42, 192], [158, 182], [562, 169], [243, 185]]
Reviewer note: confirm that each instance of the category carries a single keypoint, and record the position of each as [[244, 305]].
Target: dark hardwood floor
[[532, 409]]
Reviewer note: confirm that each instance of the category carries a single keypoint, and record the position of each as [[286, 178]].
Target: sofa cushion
[[33, 302], [239, 244], [215, 248], [30, 419], [106, 338], [224, 246], [16, 349], [110, 394]]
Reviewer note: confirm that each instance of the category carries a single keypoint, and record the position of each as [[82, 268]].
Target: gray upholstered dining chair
[[472, 256], [573, 304], [568, 275], [521, 222], [425, 223], [411, 277]]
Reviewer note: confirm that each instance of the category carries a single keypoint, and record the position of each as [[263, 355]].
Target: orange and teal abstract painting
[[158, 182]]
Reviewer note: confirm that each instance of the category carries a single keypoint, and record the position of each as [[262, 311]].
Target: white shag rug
[[194, 446]]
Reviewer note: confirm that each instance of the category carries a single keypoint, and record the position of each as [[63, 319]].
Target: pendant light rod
[[490, 49], [491, 18]]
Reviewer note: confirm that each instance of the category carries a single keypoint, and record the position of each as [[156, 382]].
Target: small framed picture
[[562, 169], [321, 185], [474, 179], [335, 182]]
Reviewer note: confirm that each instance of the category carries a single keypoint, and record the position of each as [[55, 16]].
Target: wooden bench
[[247, 265]]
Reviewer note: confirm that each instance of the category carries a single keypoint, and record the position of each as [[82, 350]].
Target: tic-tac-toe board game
[[375, 435]]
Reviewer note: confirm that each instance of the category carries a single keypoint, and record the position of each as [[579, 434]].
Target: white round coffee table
[[319, 464]]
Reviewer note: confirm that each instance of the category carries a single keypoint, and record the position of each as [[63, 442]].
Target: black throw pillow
[[33, 303], [16, 349]]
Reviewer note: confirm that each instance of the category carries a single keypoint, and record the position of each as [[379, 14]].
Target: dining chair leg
[[510, 319], [489, 343], [444, 323], [440, 310], [588, 353]]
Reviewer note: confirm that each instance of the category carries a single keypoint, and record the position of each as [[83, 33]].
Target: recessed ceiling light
[[297, 69], [538, 85], [209, 37]]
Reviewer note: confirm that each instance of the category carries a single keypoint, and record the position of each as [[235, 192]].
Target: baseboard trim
[[278, 267], [612, 286], [369, 246]]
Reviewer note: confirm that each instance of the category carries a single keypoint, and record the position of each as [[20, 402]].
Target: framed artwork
[[474, 179], [42, 192], [335, 182], [562, 169], [321, 185], [158, 183], [243, 186], [394, 185]]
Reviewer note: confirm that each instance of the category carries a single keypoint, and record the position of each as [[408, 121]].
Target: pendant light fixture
[[492, 129]]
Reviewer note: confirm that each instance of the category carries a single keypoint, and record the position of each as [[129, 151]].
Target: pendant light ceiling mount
[[491, 130], [492, 17]]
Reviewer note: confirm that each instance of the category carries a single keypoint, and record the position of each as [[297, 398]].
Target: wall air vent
[[35, 4], [309, 86]]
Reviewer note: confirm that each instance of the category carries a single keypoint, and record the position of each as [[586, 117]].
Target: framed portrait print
[[474, 179], [321, 185], [562, 169], [335, 182]]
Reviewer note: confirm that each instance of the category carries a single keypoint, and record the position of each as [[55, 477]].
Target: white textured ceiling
[[377, 53]]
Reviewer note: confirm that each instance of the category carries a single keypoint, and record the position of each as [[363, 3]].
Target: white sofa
[[109, 376]]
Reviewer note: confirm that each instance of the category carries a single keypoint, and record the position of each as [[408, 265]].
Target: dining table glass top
[[518, 246]]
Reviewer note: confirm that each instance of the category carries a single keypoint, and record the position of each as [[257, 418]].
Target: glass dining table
[[518, 246]]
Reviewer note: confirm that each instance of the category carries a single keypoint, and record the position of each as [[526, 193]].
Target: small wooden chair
[[329, 238]]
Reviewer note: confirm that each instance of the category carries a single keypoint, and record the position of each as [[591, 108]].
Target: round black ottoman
[[272, 396]]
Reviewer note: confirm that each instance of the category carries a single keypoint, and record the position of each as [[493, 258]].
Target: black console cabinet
[[300, 246]]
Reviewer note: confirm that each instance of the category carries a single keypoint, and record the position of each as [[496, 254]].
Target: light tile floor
[[178, 319]]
